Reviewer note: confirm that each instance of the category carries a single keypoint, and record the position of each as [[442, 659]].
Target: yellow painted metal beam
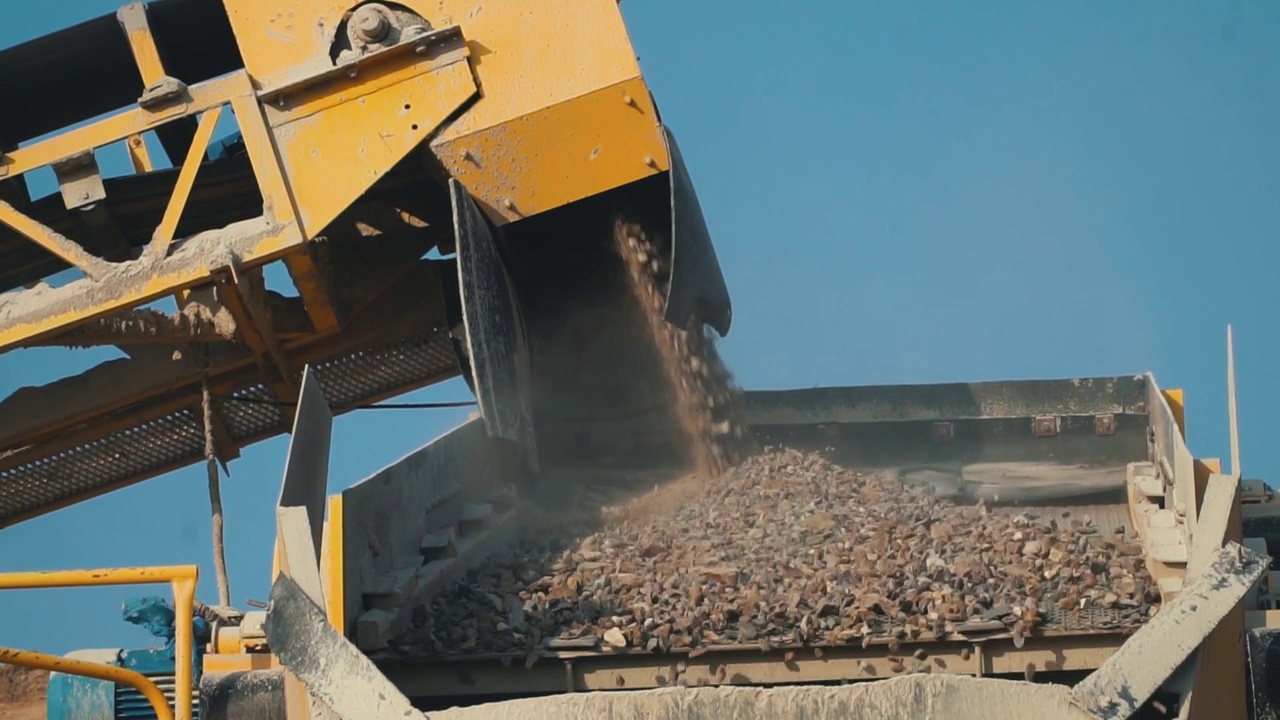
[[36, 579], [164, 234], [110, 673], [49, 239], [255, 242], [335, 580], [314, 287], [133, 19], [120, 126], [240, 662], [181, 578], [139, 155], [1177, 405], [279, 204]]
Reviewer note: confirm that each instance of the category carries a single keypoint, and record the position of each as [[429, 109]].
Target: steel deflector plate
[[496, 345], [330, 667], [697, 288]]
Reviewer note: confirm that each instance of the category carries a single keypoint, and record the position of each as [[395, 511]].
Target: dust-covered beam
[[80, 408]]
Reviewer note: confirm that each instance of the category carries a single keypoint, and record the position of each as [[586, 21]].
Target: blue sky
[[900, 193]]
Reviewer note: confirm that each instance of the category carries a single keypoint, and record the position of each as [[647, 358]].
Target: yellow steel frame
[[493, 105], [181, 578], [270, 237]]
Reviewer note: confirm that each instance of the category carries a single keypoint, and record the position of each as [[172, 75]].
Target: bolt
[[371, 25], [464, 154], [648, 160], [629, 100], [506, 203]]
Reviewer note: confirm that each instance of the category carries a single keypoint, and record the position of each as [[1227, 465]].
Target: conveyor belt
[[177, 439]]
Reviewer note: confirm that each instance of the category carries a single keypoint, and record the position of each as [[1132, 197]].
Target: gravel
[[787, 549]]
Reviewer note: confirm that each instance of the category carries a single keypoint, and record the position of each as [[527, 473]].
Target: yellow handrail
[[182, 578], [54, 663]]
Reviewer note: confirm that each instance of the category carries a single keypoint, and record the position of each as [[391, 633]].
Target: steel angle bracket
[[332, 669], [697, 290], [496, 347]]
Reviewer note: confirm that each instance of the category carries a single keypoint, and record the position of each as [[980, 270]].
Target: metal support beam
[[177, 137], [244, 294], [40, 414], [46, 237], [167, 230], [313, 278]]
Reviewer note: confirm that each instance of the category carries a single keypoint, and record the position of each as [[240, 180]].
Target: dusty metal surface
[[332, 669], [306, 471], [497, 351], [177, 439], [918, 696], [1051, 657]]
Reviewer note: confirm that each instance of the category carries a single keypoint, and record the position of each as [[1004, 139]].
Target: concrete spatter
[[953, 697]]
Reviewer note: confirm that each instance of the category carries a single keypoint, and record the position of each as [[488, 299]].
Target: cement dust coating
[[209, 249], [954, 697]]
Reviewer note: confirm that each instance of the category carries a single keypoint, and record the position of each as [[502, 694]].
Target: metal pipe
[[93, 578], [137, 681], [184, 594], [182, 578]]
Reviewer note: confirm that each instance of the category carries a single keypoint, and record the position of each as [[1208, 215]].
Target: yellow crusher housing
[[500, 138]]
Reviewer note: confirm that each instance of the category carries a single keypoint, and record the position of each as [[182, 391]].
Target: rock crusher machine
[[442, 182], [460, 187]]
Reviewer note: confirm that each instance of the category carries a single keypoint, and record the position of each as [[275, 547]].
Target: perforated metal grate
[[1094, 618], [177, 439]]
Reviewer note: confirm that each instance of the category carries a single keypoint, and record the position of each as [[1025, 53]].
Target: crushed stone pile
[[787, 549]]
